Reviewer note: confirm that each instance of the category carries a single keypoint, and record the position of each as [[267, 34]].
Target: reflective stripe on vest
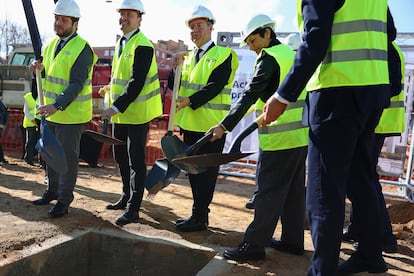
[[357, 53], [148, 104], [57, 78], [393, 117], [194, 78], [287, 131], [31, 105]]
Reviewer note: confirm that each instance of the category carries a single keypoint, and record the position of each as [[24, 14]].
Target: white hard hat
[[293, 41], [131, 5], [67, 8], [258, 21], [200, 12]]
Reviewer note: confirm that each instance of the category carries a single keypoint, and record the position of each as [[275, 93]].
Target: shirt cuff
[[114, 108], [280, 98]]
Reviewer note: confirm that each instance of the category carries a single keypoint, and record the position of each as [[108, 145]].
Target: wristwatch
[[58, 106]]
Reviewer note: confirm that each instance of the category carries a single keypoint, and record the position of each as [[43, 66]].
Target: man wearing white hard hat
[[344, 64], [293, 40], [280, 173], [135, 100], [67, 65], [204, 98]]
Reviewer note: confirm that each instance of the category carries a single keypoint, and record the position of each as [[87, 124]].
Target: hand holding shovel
[[48, 146], [215, 159]]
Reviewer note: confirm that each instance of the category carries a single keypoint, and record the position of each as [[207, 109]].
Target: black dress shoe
[[119, 205], [250, 204], [45, 199], [59, 210], [347, 235], [356, 263], [126, 218], [390, 247], [191, 225], [245, 252], [181, 220], [288, 248]]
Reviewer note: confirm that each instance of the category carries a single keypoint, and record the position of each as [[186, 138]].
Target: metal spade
[[216, 159]]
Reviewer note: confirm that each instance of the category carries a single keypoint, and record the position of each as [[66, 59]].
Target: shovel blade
[[161, 175], [172, 146], [102, 138], [51, 151], [209, 159]]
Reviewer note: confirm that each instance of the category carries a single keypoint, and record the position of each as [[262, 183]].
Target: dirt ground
[[24, 225]]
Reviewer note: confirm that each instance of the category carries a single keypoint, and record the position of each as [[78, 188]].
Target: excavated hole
[[95, 253]]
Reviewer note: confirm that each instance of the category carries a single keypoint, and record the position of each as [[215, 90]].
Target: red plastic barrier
[[13, 136]]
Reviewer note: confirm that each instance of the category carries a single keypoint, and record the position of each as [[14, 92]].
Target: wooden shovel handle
[[176, 88]]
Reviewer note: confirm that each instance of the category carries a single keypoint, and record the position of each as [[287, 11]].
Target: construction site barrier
[[13, 136]]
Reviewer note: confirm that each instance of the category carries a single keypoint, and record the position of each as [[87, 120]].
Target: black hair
[[261, 32]]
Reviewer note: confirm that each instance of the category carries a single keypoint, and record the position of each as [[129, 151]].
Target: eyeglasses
[[198, 26]]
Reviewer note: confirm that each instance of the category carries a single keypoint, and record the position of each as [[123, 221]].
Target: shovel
[[216, 159], [101, 137], [163, 171], [91, 148], [49, 148]]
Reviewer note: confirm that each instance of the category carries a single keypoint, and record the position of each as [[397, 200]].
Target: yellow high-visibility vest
[[349, 60], [148, 104], [287, 132], [193, 78], [31, 105], [393, 117], [57, 78]]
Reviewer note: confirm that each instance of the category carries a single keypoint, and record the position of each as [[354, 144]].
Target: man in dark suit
[[204, 99], [343, 63]]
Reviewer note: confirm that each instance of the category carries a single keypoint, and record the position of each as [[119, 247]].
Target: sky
[[164, 19]]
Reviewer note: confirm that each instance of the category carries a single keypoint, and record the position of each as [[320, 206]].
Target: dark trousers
[[131, 162], [32, 135], [281, 194], [341, 159], [389, 237], [68, 135], [203, 184]]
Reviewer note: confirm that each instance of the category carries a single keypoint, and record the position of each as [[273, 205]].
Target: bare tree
[[12, 35]]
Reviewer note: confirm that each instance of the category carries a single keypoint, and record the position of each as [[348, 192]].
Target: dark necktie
[[59, 46], [121, 45], [197, 56]]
